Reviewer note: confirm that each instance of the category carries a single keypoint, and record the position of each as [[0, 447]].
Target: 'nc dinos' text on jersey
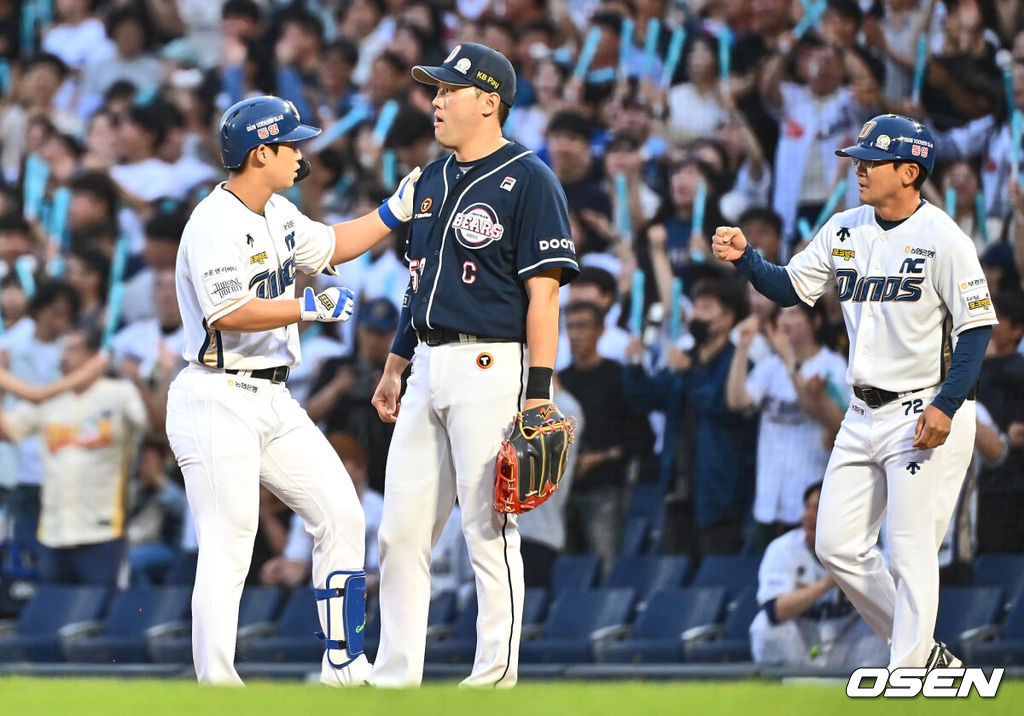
[[905, 293], [477, 233]]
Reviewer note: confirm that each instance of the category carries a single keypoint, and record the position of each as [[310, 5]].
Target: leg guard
[[346, 616]]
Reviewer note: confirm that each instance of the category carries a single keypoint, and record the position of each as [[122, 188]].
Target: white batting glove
[[397, 210], [330, 306]]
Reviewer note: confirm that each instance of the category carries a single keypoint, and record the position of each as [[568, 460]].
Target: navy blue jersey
[[475, 237]]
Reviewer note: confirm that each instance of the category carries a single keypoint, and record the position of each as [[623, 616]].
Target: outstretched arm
[[86, 373]]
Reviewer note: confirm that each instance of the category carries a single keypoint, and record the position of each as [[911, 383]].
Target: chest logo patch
[[484, 361], [249, 239], [258, 258], [507, 183], [477, 226], [915, 251], [844, 253], [843, 234], [426, 204]]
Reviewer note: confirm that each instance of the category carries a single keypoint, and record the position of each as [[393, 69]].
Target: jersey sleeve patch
[[223, 283]]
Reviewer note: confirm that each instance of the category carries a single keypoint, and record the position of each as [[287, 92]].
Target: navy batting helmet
[[259, 120], [890, 137]]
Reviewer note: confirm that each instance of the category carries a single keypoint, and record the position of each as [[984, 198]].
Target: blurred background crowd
[[662, 120]]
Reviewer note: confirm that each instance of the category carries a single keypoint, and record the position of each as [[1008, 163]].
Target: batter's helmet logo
[[484, 361], [866, 129], [477, 226]]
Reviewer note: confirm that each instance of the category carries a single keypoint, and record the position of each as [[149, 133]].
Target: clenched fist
[[728, 243]]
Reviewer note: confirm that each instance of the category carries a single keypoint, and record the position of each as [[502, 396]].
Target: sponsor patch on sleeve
[[973, 286], [977, 302], [223, 283]]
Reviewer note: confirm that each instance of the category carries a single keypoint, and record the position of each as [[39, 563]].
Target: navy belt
[[441, 336], [277, 374]]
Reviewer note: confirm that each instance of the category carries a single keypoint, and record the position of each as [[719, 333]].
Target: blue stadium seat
[[460, 645], [647, 574], [962, 609], [657, 637], [183, 569], [648, 501], [1008, 649], [37, 634], [291, 639], [577, 618], [259, 605], [441, 611], [733, 572], [574, 571], [1005, 571], [123, 637], [634, 537], [733, 644]]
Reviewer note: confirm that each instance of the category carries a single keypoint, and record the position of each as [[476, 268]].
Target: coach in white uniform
[[919, 315], [230, 419]]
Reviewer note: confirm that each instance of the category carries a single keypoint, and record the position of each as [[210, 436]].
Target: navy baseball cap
[[892, 137], [379, 315], [473, 65]]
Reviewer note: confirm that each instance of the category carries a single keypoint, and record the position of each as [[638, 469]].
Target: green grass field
[[747, 698]]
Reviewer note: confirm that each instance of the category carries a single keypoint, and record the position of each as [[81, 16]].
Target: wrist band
[[388, 217], [538, 384]]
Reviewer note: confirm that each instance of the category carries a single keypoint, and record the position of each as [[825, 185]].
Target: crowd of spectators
[[688, 115]]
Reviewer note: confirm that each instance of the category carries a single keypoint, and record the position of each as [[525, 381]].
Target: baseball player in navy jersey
[[489, 245], [919, 316], [230, 419]]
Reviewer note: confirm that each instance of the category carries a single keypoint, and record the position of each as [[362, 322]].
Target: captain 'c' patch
[[484, 361]]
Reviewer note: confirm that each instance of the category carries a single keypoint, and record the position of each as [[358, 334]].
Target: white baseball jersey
[[791, 453], [87, 446], [906, 292], [230, 255]]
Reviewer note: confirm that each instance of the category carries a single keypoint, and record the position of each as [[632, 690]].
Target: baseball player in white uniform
[[230, 419], [919, 316]]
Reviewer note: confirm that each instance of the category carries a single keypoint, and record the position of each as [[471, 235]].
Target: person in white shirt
[[231, 421], [800, 391], [804, 620], [88, 439], [79, 38]]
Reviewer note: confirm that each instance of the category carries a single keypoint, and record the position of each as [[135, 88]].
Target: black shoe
[[942, 658]]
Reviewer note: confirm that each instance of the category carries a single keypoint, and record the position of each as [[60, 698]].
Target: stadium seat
[[648, 501], [458, 645], [732, 643], [291, 639], [441, 611], [1005, 571], [964, 612], [135, 615], [183, 569], [36, 634], [634, 537], [647, 574], [733, 572], [658, 634], [574, 571], [259, 606], [1008, 648], [578, 618]]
